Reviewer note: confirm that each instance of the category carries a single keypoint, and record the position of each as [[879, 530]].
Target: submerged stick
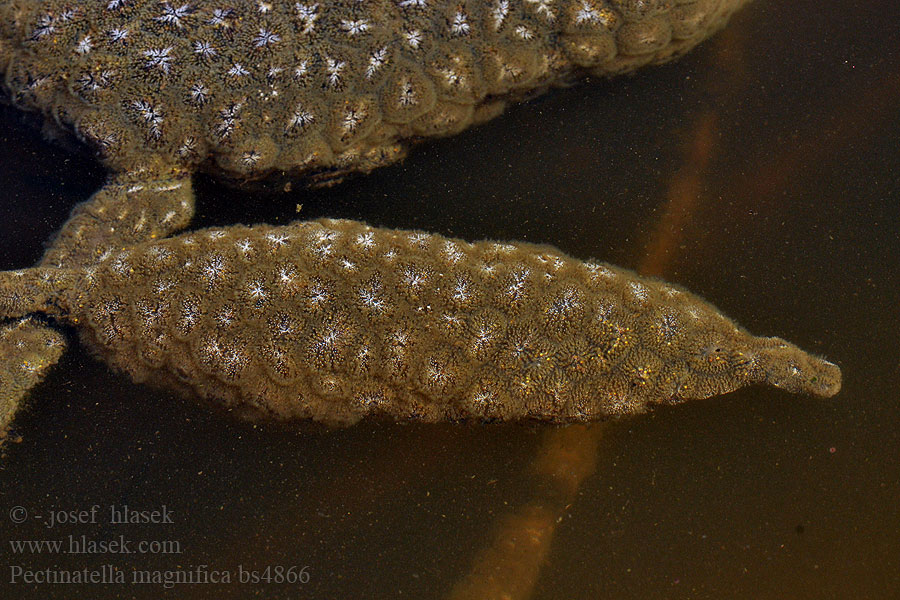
[[335, 320]]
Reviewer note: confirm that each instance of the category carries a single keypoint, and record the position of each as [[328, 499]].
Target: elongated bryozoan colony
[[334, 320]]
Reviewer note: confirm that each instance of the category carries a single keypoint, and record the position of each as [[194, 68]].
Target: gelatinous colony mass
[[332, 319], [335, 320], [301, 86]]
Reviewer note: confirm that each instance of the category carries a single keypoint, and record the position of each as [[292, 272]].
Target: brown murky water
[[761, 171]]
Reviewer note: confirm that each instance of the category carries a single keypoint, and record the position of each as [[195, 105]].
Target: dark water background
[[784, 133]]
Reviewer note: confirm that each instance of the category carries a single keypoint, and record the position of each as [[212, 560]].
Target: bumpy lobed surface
[[28, 351], [334, 320], [306, 85]]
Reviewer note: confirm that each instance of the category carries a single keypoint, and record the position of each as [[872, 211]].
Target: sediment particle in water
[[335, 320]]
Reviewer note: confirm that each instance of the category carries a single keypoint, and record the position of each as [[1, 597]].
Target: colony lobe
[[251, 87], [335, 320]]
